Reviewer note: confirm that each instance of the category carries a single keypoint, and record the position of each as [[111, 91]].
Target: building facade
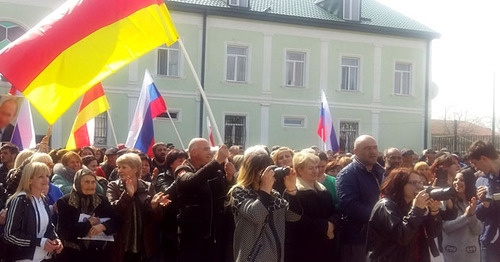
[[262, 65]]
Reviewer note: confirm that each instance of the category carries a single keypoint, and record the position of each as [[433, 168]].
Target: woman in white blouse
[[28, 230]]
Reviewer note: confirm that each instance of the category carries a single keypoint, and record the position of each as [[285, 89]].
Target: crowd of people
[[260, 204]]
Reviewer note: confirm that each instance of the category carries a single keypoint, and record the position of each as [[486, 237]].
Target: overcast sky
[[465, 57]]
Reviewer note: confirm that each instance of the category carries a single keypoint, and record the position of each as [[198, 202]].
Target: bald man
[[358, 190], [202, 185]]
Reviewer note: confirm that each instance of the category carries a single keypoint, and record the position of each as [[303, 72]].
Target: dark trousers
[[353, 253], [196, 249], [490, 253]]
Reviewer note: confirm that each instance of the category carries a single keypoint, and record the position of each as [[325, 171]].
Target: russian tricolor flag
[[150, 105], [325, 126]]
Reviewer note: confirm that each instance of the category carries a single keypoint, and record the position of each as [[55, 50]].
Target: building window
[[169, 60], [101, 129], [349, 131], [234, 130], [350, 74], [240, 3], [236, 63], [291, 121], [173, 113], [295, 68], [352, 10], [402, 79]]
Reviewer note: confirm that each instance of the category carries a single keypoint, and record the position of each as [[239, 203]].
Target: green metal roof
[[375, 17]]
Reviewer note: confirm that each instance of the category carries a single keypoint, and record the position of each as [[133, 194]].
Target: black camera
[[441, 194], [280, 172]]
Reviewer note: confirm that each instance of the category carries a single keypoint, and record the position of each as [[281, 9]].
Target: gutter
[[277, 18]]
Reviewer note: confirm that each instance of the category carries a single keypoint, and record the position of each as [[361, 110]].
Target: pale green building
[[262, 64]]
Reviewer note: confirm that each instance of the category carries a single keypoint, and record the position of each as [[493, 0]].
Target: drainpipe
[[202, 73], [426, 93]]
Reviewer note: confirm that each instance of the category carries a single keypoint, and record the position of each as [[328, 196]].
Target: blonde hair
[[300, 160], [278, 151], [29, 172], [42, 158], [23, 155], [255, 161], [131, 159]]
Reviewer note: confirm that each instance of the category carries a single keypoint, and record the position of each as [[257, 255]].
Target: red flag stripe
[[61, 33], [82, 137], [92, 94]]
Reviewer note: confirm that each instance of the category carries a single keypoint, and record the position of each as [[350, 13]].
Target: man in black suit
[[8, 111]]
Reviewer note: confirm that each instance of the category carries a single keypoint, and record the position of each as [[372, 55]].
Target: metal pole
[[202, 92], [112, 127], [493, 118], [175, 128]]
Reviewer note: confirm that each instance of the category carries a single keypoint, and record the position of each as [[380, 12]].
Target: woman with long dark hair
[[404, 221], [461, 234]]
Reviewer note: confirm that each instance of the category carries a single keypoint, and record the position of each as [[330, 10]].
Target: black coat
[[306, 239], [392, 232], [69, 229]]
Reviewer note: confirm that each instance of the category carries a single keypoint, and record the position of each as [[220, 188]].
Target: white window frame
[[247, 64], [247, 124], [239, 3], [350, 13], [358, 73], [398, 90], [176, 111], [170, 49], [303, 120], [295, 62]]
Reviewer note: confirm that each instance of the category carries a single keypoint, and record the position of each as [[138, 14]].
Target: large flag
[[93, 103], [325, 126], [150, 105], [24, 134], [78, 45], [210, 134]]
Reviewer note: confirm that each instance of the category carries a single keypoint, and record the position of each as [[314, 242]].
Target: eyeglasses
[[416, 183]]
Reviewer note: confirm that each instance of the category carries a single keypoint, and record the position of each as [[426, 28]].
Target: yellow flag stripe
[[88, 61]]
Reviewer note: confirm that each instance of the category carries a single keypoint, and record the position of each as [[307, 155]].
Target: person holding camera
[[259, 211], [404, 221], [203, 182], [484, 157], [310, 238], [460, 235]]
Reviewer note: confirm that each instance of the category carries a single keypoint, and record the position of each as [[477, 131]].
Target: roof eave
[[252, 15]]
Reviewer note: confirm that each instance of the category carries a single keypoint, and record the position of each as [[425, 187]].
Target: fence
[[460, 143]]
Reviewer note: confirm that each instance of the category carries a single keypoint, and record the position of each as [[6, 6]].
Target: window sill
[[294, 87]]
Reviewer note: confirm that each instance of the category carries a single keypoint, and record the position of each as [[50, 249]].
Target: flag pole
[[175, 128], [200, 88], [112, 127]]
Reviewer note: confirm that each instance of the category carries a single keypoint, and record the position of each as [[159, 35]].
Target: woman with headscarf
[[83, 213]]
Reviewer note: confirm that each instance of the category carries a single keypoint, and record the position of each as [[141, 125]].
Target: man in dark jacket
[[358, 190], [485, 158], [201, 188]]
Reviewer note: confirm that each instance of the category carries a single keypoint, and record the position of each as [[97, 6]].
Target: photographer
[[485, 158], [310, 239], [404, 221], [260, 211]]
